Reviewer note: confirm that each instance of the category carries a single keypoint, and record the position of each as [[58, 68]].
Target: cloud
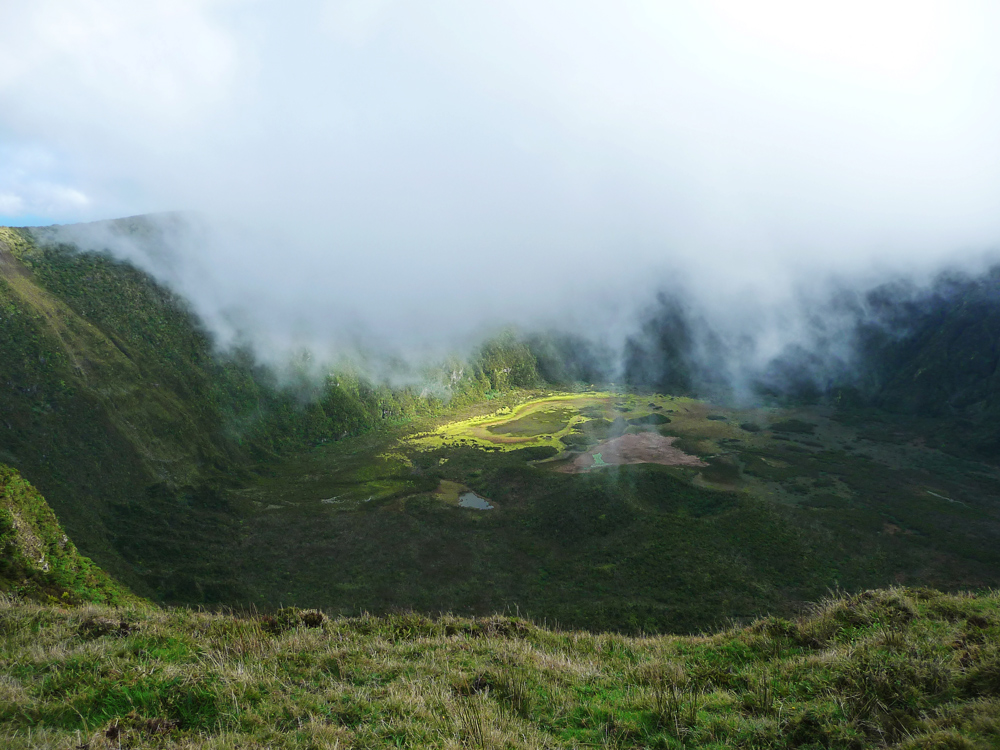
[[406, 175], [11, 204], [353, 21], [25, 191]]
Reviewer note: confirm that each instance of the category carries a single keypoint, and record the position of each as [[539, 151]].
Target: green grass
[[903, 668], [37, 560], [539, 423]]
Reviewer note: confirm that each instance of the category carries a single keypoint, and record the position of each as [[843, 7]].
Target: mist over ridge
[[917, 344], [398, 182]]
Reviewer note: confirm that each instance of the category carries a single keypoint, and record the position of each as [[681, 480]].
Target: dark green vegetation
[[37, 560], [911, 669], [933, 356], [635, 548], [653, 419], [793, 425]]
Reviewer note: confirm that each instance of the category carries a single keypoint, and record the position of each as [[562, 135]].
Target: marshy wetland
[[634, 512]]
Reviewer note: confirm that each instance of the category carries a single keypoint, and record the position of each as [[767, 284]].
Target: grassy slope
[[902, 668], [37, 559]]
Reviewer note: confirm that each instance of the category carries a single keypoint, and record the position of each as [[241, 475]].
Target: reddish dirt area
[[641, 448]]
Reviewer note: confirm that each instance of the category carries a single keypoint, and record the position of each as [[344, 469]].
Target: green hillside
[[901, 668], [37, 560], [109, 394], [116, 404], [934, 357], [119, 408]]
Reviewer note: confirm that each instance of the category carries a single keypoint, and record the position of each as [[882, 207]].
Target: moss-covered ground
[[900, 668]]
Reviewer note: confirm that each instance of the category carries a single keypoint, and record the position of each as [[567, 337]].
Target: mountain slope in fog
[[935, 355], [929, 355], [116, 405], [119, 407]]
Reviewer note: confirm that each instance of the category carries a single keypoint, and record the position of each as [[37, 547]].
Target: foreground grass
[[904, 668]]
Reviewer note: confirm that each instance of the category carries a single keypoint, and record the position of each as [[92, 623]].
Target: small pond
[[472, 500]]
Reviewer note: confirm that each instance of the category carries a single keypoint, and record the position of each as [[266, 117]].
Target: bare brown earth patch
[[638, 448]]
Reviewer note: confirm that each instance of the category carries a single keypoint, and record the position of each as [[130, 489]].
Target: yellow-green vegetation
[[562, 421], [450, 492], [37, 559], [902, 668], [538, 422]]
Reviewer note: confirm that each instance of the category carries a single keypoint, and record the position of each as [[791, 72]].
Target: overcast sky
[[411, 171]]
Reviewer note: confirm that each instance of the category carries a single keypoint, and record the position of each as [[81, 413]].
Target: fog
[[403, 178]]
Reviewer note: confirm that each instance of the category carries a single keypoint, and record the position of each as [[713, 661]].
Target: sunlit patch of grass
[[530, 425], [449, 492], [562, 420]]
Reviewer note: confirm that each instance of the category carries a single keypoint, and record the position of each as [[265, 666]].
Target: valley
[[741, 512], [489, 558], [198, 477], [499, 376]]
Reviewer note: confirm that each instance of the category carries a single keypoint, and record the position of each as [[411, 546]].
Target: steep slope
[[935, 356], [925, 357], [106, 405], [37, 559], [116, 406], [115, 402]]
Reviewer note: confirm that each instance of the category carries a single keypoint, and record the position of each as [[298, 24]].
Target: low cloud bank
[[830, 334], [396, 181]]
